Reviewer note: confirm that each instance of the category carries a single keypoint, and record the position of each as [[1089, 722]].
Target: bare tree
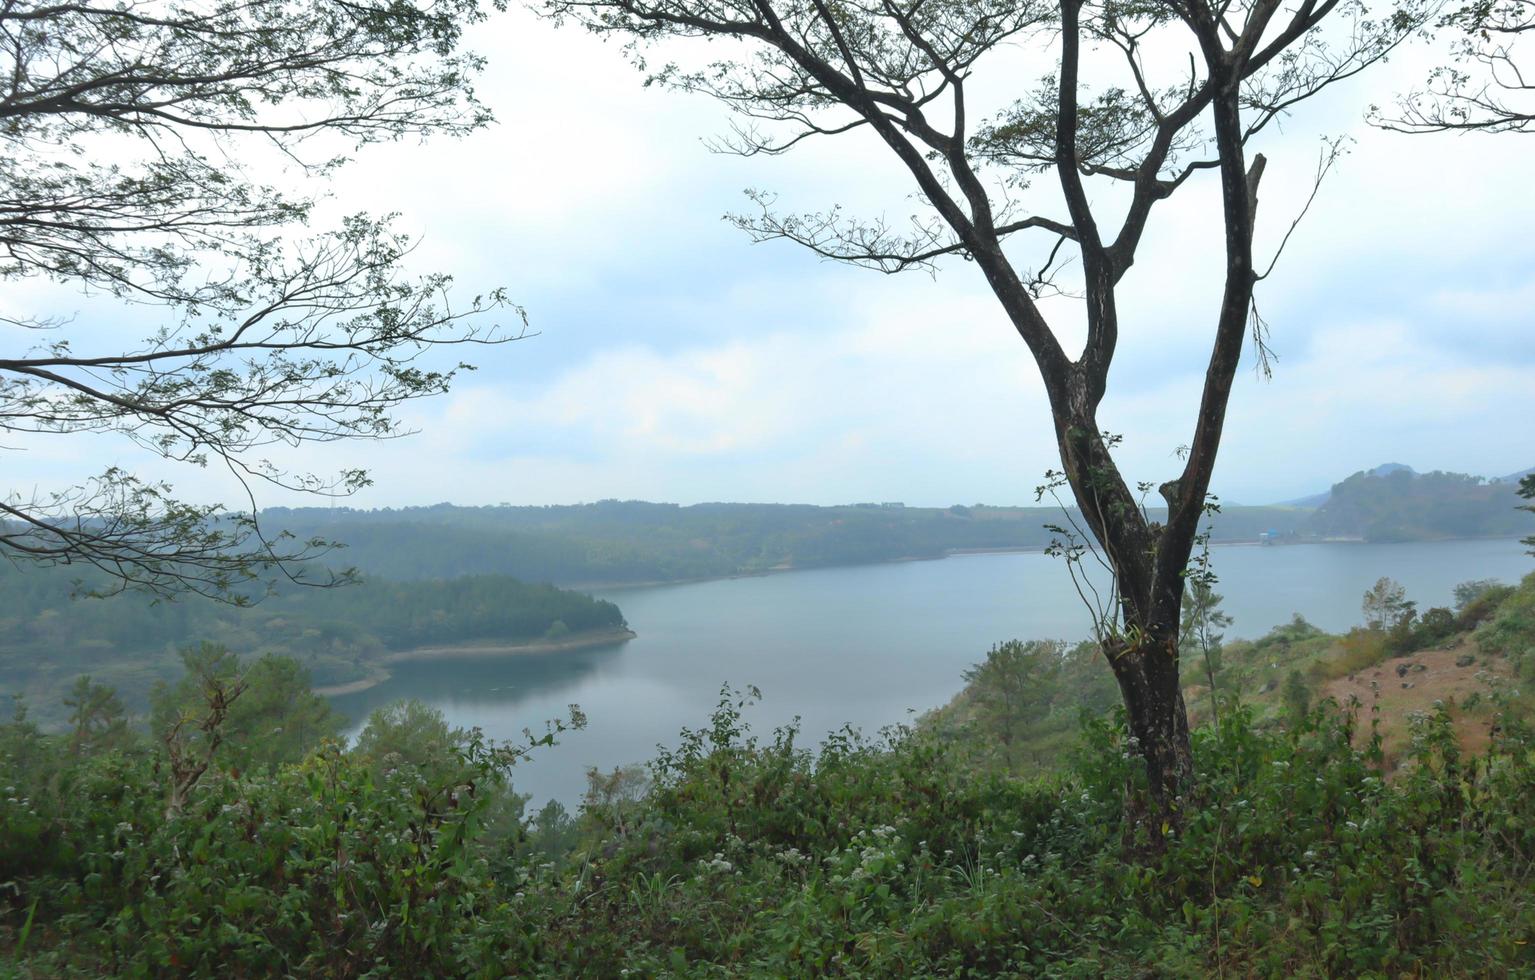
[[126, 127], [1487, 88], [1128, 103], [1385, 604], [193, 738]]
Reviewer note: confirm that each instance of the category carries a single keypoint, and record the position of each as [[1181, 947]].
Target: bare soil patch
[[1403, 686]]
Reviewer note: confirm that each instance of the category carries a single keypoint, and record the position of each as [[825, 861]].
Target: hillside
[[1397, 504], [1021, 706], [616, 542], [339, 635]]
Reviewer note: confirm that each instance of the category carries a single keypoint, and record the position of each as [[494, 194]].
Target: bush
[[1358, 649], [1289, 856]]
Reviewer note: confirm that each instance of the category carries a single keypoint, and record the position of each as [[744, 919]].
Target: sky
[[675, 360]]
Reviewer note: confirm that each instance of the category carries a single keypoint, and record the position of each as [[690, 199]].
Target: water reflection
[[473, 684]]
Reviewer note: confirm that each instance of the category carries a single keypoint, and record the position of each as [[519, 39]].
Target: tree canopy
[[141, 140], [1487, 86]]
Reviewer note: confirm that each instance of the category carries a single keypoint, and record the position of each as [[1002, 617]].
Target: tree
[[1385, 605], [1487, 88], [409, 733], [264, 341], [1014, 686], [1202, 629], [193, 733], [1468, 592], [1296, 696], [277, 718], [96, 718], [1127, 103], [1527, 491]]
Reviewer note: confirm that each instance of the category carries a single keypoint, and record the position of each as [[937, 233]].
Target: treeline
[[47, 637], [621, 542], [614, 542], [1407, 506]]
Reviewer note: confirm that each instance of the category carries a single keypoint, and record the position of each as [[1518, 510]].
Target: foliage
[[408, 734], [276, 719], [1467, 593], [1401, 505], [1254, 668], [1203, 625], [1527, 491], [336, 635], [1386, 605], [1487, 87], [96, 719], [629, 541], [1510, 631], [1357, 650], [1021, 706], [266, 338], [1014, 685], [1296, 694], [882, 857]]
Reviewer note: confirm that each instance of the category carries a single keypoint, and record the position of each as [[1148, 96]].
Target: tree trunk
[[1147, 673], [1142, 648]]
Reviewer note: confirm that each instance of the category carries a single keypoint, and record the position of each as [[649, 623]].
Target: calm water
[[865, 645]]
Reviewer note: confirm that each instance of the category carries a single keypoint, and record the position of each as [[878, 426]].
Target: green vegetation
[[1010, 833], [615, 541], [47, 639], [131, 173], [1401, 505], [911, 854]]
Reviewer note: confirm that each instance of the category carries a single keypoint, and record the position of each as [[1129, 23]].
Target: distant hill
[[1313, 501], [1318, 499], [632, 541], [1386, 469], [613, 542], [1395, 503]]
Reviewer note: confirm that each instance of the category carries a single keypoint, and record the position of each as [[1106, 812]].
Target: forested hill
[[338, 634], [614, 541], [1400, 505]]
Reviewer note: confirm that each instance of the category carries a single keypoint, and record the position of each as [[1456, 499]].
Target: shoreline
[[593, 588], [381, 673]]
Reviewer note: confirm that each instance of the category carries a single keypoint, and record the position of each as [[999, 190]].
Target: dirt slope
[[1402, 686]]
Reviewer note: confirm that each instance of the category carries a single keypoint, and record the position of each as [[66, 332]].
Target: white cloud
[[679, 363]]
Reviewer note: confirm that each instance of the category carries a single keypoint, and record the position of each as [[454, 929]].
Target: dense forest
[[1401, 505], [48, 638], [1005, 836], [618, 542]]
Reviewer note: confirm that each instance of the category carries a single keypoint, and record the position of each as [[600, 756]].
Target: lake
[[866, 645]]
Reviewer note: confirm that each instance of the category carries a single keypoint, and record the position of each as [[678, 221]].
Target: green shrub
[[1290, 855]]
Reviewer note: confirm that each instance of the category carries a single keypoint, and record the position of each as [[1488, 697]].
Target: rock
[[1406, 685], [1401, 670], [1420, 667], [1465, 660]]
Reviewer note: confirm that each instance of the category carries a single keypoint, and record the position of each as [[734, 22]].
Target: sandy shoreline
[[576, 641]]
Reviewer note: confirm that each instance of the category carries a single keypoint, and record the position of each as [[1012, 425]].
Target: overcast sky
[[677, 361]]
